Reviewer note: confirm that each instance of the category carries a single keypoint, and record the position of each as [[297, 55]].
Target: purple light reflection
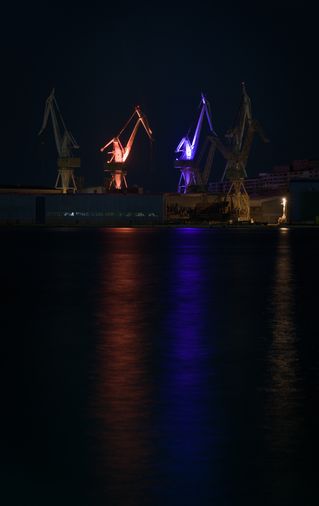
[[186, 319], [188, 230], [185, 413]]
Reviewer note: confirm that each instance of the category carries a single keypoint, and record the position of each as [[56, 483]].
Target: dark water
[[159, 367]]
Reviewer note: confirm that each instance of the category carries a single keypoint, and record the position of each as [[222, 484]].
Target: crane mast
[[186, 152], [65, 143], [240, 139], [120, 153]]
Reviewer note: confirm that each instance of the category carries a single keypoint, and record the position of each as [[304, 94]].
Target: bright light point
[[283, 218], [188, 151]]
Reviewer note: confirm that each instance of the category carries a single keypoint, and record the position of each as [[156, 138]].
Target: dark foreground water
[[159, 367]]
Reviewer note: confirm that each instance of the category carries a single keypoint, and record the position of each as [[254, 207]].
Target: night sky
[[104, 60]]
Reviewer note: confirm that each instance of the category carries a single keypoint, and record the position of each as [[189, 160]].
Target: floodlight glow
[[188, 151], [283, 218]]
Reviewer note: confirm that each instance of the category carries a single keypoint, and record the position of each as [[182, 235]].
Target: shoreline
[[247, 226]]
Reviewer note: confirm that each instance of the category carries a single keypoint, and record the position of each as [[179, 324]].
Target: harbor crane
[[240, 139], [65, 144], [187, 161], [120, 153]]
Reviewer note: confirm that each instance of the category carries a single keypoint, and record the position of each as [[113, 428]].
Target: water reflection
[[185, 412], [283, 360], [121, 404]]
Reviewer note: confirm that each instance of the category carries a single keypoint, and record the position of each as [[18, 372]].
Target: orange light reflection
[[283, 410], [122, 391]]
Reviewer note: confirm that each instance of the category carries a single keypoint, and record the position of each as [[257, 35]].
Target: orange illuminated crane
[[120, 153]]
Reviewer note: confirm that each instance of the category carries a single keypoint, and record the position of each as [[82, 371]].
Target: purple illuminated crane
[[187, 149]]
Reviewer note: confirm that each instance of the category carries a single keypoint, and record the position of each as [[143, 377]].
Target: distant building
[[304, 201], [277, 180], [80, 209]]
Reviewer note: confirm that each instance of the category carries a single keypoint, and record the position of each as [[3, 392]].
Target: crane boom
[[49, 109], [188, 159], [187, 148], [64, 142], [141, 121], [236, 154], [120, 153], [243, 118]]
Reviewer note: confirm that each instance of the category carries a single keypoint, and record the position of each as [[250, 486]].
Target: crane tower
[[65, 143], [120, 152], [187, 161], [240, 139]]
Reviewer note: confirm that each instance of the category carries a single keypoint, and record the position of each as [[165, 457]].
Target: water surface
[[159, 366]]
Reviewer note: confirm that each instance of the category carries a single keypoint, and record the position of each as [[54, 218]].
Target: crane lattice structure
[[188, 159], [120, 153], [240, 139], [65, 143]]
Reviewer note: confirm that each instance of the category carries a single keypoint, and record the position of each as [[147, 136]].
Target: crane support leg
[[187, 178], [118, 180], [238, 201], [65, 181]]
